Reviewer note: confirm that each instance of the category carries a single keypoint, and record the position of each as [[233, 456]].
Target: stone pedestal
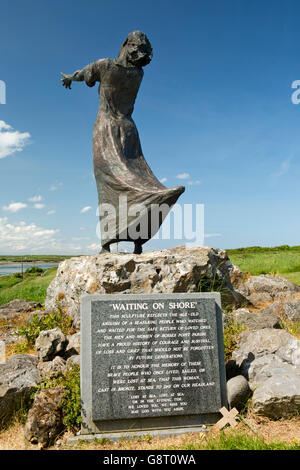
[[175, 270]]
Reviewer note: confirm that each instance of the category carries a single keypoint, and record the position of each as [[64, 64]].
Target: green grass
[[283, 260], [233, 440], [237, 441], [31, 288], [33, 258]]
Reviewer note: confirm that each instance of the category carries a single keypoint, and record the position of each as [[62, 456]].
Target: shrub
[[71, 403], [230, 335], [34, 270], [47, 322], [71, 400], [18, 275]]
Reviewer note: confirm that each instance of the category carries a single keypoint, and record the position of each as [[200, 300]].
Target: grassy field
[[31, 287], [33, 258], [283, 260]]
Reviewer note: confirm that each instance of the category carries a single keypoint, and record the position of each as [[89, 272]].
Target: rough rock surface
[[174, 270], [9, 336], [18, 377], [255, 344], [287, 310], [259, 290], [256, 321], [52, 369], [73, 360], [39, 313], [16, 307], [73, 346], [238, 391], [270, 359], [50, 343], [44, 421]]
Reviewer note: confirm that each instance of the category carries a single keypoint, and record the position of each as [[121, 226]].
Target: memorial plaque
[[151, 361]]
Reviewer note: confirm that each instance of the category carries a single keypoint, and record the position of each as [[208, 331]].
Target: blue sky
[[215, 105]]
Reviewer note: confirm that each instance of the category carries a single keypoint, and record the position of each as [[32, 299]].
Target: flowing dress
[[119, 164]]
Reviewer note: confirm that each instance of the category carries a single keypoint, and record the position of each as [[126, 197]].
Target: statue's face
[[138, 50]]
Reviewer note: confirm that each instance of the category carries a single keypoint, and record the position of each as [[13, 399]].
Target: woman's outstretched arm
[[88, 75]]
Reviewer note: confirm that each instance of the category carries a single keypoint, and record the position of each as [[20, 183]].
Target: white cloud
[[14, 207], [51, 212], [22, 236], [35, 199], [11, 141], [191, 183], [94, 247], [55, 186], [163, 180], [30, 238], [39, 206], [4, 126], [183, 176], [85, 209]]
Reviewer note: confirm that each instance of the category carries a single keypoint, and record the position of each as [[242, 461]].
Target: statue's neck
[[124, 62]]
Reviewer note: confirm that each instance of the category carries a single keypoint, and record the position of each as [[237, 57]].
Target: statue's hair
[[140, 38]]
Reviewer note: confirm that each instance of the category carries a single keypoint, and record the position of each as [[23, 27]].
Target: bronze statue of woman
[[121, 170]]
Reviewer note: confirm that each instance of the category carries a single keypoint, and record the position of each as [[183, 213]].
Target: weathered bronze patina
[[124, 180]]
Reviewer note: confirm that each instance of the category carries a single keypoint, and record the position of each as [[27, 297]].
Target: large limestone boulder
[[174, 270], [255, 344], [18, 378], [255, 320], [270, 359], [264, 289], [287, 310]]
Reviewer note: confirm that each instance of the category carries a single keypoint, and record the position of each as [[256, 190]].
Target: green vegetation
[[238, 441], [283, 260], [231, 333], [71, 407], [293, 327], [31, 287], [57, 319], [33, 258]]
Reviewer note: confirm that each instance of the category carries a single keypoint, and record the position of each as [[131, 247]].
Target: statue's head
[[136, 49]]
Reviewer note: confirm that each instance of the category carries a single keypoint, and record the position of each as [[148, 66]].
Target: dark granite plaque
[[151, 356]]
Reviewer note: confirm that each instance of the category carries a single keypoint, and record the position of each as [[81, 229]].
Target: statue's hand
[[66, 81]]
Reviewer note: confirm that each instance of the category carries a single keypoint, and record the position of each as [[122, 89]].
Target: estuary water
[[6, 269]]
